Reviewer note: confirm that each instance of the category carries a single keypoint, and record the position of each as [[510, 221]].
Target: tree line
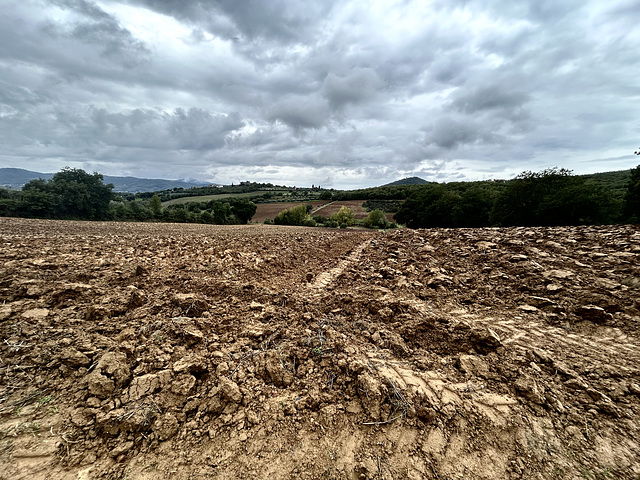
[[551, 197], [74, 194]]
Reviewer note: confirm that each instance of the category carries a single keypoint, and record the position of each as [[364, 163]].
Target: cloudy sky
[[344, 94]]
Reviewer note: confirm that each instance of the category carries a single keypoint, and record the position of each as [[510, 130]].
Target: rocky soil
[[145, 351]]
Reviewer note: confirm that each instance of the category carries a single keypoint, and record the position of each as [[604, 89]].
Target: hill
[[407, 181], [16, 178]]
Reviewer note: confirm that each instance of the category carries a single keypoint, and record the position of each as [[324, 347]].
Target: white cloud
[[347, 93]]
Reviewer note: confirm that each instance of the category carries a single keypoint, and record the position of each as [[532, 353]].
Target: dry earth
[[270, 210], [355, 205], [145, 351]]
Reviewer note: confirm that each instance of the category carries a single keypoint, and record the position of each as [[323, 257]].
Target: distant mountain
[[407, 181], [16, 177]]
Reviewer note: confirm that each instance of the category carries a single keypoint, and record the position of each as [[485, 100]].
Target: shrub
[[344, 215], [375, 219], [294, 216]]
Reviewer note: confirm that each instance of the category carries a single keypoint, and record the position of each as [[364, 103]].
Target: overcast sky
[[344, 94]]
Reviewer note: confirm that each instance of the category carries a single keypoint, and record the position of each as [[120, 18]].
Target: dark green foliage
[[8, 202], [452, 205], [551, 197], [375, 219], [387, 206], [80, 194], [632, 197], [232, 211], [243, 209], [155, 205], [71, 193], [408, 181], [326, 195], [395, 192], [344, 216], [295, 216]]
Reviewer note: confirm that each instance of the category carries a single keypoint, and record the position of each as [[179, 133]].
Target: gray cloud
[[492, 97], [300, 112], [352, 93], [358, 86]]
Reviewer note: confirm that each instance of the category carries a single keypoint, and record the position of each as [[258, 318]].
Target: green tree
[[326, 195], [294, 216], [343, 216], [73, 193], [243, 209], [155, 204], [552, 197], [37, 199], [375, 219], [632, 196]]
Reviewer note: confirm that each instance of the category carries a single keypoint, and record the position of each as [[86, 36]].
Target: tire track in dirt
[[615, 348], [536, 335], [325, 278]]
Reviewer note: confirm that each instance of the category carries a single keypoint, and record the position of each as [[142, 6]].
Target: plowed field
[[152, 351]]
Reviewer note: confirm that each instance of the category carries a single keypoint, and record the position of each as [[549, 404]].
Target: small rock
[[36, 313], [560, 274], [528, 388], [518, 258], [256, 306], [143, 385], [73, 358], [183, 384], [114, 365], [473, 365], [222, 369], [192, 364], [121, 449], [276, 372], [165, 426], [229, 390], [485, 340], [252, 417], [99, 385]]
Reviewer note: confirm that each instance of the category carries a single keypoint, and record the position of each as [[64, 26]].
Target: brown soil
[[145, 351], [355, 205], [270, 210]]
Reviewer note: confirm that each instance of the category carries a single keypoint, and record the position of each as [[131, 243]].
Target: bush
[[375, 219], [294, 216], [344, 215]]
